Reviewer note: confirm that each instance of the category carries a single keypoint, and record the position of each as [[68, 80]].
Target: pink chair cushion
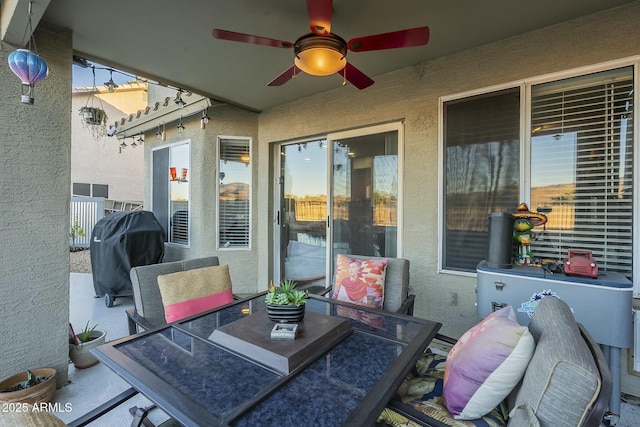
[[190, 292], [180, 310]]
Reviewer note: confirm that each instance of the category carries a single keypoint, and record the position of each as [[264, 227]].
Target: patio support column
[[35, 143]]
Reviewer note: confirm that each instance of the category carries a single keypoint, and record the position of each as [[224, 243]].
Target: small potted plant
[[31, 386], [80, 345], [93, 115], [286, 304], [76, 231]]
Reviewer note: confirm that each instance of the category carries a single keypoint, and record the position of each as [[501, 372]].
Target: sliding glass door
[[302, 213], [339, 195], [364, 194]]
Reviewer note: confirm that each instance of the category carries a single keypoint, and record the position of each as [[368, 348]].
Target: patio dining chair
[[149, 309], [396, 284], [139, 414], [168, 291]]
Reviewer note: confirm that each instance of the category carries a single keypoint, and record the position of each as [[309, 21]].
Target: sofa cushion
[[486, 364], [562, 380], [186, 293]]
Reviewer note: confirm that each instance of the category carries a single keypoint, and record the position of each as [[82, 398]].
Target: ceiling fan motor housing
[[320, 55]]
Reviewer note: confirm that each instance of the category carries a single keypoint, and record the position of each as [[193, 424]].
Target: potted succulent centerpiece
[[31, 386], [285, 304], [80, 345]]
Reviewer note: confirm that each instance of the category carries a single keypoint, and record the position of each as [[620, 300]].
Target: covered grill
[[120, 241]]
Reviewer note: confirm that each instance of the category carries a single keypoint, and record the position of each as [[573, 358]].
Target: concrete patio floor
[[88, 388]]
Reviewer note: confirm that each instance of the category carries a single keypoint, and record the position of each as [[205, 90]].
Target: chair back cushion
[[190, 292], [562, 380], [144, 281], [396, 281]]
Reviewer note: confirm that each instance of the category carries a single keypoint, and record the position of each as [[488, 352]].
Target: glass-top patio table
[[344, 378]]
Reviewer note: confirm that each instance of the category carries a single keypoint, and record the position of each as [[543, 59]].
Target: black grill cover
[[120, 241]]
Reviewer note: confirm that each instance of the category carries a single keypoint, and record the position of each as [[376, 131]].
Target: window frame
[[249, 141], [525, 86], [165, 175]]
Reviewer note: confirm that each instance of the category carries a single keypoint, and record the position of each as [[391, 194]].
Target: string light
[[179, 99], [204, 120], [111, 85]]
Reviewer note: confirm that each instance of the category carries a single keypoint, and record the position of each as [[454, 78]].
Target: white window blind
[[180, 222], [234, 193], [581, 167]]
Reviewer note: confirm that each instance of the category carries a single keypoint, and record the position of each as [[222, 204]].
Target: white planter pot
[[81, 354]]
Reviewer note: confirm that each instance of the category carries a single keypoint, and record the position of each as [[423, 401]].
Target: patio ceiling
[[171, 41]]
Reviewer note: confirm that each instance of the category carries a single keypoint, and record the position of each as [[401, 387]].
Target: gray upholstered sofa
[[149, 311], [566, 383]]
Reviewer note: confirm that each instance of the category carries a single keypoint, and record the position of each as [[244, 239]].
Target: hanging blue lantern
[[30, 68]]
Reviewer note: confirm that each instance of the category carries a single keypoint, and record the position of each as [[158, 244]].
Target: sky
[[82, 77], [553, 159]]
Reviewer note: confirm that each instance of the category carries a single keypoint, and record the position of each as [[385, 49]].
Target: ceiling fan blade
[[285, 76], [395, 39], [320, 16], [248, 38], [355, 77]]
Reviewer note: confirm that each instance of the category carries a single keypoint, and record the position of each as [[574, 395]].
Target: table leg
[[613, 357]]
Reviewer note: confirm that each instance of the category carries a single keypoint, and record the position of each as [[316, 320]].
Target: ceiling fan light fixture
[[320, 55]]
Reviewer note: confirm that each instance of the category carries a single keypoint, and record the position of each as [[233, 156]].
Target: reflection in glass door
[[365, 195], [303, 212], [349, 181]]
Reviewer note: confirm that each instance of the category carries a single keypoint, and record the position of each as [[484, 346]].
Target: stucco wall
[[101, 160], [224, 121], [412, 95], [34, 187]]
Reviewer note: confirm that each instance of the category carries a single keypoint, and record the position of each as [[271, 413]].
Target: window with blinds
[[234, 193], [582, 168], [482, 164]]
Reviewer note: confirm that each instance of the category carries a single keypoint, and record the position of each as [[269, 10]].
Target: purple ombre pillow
[[486, 363]]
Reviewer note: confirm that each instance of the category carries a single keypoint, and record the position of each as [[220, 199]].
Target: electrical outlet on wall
[[452, 298]]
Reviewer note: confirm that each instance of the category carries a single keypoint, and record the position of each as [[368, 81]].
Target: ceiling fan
[[322, 53]]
